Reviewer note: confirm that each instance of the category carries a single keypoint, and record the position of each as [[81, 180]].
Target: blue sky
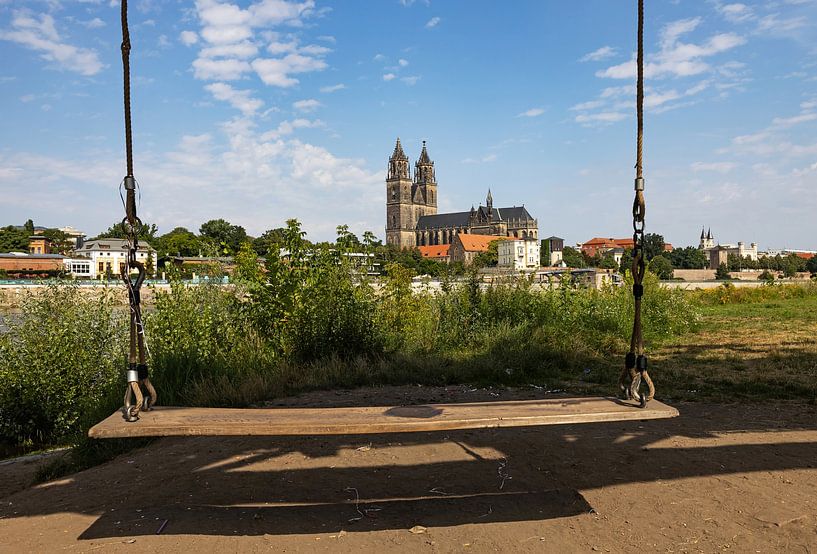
[[263, 110]]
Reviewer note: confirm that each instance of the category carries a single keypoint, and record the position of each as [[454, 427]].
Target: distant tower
[[489, 203], [706, 240], [425, 186], [400, 217]]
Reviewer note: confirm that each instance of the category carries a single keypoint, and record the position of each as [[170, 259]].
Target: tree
[[145, 232], [347, 241], [224, 237], [490, 258], [178, 242], [28, 227], [573, 258], [272, 239], [661, 266], [13, 240], [246, 265], [722, 273], [626, 263], [150, 265], [608, 261], [60, 242], [688, 258], [544, 253], [811, 265], [653, 246]]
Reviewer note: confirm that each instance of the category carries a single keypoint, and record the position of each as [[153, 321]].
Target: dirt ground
[[719, 477]]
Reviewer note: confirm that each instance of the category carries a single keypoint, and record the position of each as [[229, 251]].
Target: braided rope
[[137, 374], [635, 363]]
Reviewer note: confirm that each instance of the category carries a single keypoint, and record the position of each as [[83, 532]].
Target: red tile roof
[[477, 243], [435, 251]]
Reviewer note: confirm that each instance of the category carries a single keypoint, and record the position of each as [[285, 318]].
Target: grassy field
[[752, 350]]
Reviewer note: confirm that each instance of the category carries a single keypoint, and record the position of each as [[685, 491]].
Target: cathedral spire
[[709, 234], [424, 168], [703, 234], [398, 153], [489, 201], [424, 159]]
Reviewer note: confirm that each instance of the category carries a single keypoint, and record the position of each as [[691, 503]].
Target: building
[[74, 235], [38, 244], [19, 263], [438, 252], [555, 246], [108, 256], [411, 209], [719, 253], [600, 245], [465, 246], [519, 254]]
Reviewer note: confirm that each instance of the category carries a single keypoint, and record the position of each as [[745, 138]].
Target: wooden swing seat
[[170, 421]]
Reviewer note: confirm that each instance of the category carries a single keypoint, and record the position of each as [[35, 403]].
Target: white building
[[97, 258], [519, 254]]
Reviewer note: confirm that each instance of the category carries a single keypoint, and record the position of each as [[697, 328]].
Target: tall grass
[[308, 325]]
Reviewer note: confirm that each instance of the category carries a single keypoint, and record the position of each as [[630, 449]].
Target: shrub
[[57, 361]]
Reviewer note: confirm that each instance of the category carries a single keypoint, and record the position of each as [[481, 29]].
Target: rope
[[137, 373], [635, 362]]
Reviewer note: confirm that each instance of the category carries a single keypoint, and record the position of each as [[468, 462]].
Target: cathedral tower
[[425, 186], [400, 211]]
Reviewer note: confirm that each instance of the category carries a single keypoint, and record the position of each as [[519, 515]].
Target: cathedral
[[411, 209]]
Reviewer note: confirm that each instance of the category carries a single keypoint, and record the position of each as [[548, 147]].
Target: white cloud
[[94, 23], [306, 106], [276, 72], [784, 122], [379, 57], [231, 49], [603, 53], [402, 62], [718, 167], [389, 76], [288, 127], [602, 117], [188, 38], [433, 22], [220, 70], [410, 80], [239, 99], [736, 13], [333, 88], [533, 112], [676, 58], [40, 34]]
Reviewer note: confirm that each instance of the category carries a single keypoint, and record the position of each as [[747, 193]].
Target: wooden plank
[[168, 421]]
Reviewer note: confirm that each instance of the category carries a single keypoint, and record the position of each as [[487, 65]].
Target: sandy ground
[[737, 477]]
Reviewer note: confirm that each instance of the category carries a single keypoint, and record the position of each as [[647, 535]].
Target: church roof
[[462, 219], [442, 221], [398, 153], [424, 159]]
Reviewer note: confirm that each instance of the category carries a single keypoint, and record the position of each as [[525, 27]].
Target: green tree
[[145, 232], [28, 227], [272, 239], [688, 257], [722, 273], [60, 242], [150, 265], [246, 265], [573, 258], [489, 258], [653, 246], [811, 265], [347, 241], [13, 240], [544, 253], [608, 261], [661, 266], [178, 242], [223, 237]]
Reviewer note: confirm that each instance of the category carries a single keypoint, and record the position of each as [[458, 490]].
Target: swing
[[139, 416]]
